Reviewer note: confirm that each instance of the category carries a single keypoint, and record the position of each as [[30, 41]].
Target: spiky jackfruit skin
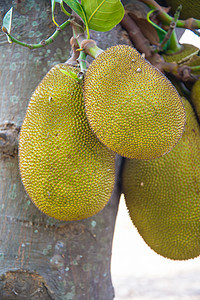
[[67, 172], [187, 56], [132, 108], [163, 195], [190, 8], [184, 56], [195, 97]]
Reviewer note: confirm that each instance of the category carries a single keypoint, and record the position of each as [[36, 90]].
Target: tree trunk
[[40, 257]]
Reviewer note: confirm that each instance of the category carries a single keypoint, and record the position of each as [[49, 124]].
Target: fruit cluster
[[124, 105]]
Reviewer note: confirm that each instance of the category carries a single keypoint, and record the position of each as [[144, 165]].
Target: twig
[[87, 45], [42, 43], [73, 60], [82, 63], [136, 36], [143, 46], [166, 19], [171, 31], [141, 43], [182, 73]]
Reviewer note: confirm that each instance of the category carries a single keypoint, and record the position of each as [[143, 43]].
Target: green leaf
[[53, 4], [63, 9], [7, 22], [103, 15], [76, 6], [71, 74]]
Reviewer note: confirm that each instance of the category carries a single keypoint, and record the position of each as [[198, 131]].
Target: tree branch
[[143, 46]]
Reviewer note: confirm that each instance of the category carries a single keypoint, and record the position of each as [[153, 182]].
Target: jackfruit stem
[[90, 48], [87, 45], [78, 29], [166, 19], [94, 51], [190, 23], [182, 73], [82, 62], [152, 4], [195, 68], [174, 45], [75, 54]]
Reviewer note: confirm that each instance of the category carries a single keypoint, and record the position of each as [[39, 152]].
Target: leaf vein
[[95, 10]]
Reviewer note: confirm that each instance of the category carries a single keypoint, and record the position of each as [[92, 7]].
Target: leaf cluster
[[99, 15]]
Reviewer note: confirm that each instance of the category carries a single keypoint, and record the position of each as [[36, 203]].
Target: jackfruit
[[195, 97], [190, 8], [188, 55], [184, 56], [163, 195], [131, 107], [67, 172]]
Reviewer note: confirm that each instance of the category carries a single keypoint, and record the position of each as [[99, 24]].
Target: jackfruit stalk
[[188, 55]]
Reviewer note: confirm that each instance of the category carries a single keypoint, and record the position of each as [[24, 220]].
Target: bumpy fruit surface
[[132, 108], [66, 171], [188, 55], [190, 8], [184, 56], [163, 195], [195, 97]]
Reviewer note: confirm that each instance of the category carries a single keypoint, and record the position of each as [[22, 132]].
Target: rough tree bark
[[40, 257]]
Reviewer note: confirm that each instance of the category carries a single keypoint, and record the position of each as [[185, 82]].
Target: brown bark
[[40, 257]]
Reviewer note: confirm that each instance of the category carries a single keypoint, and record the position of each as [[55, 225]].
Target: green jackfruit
[[67, 172], [195, 97], [184, 56], [163, 195], [190, 8], [188, 55], [132, 108]]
